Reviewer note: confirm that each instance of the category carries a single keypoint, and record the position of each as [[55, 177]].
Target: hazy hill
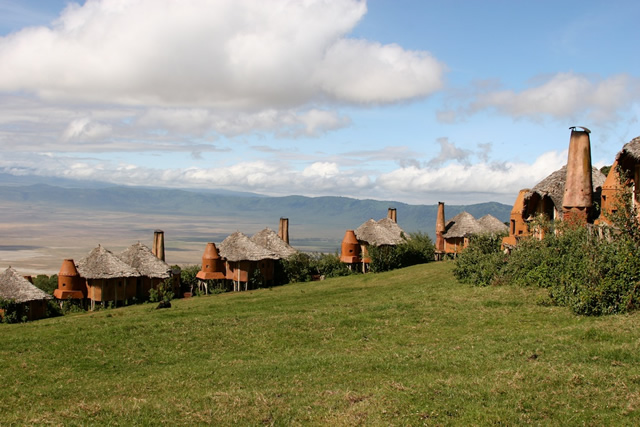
[[43, 224], [316, 212]]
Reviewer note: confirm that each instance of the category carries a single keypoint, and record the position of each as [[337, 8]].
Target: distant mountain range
[[314, 212]]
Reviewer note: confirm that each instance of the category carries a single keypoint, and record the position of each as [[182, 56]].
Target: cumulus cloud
[[413, 184], [565, 96], [503, 181], [364, 72], [232, 54]]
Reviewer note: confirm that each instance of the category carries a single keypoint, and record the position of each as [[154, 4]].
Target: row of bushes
[[417, 249], [592, 270]]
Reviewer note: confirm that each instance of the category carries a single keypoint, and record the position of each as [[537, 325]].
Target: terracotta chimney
[[212, 264], [70, 284], [610, 194], [158, 244], [440, 228], [283, 229], [350, 249], [392, 215], [578, 197]]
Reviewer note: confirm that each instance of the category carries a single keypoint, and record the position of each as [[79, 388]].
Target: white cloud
[[321, 170], [455, 183], [502, 181], [231, 54], [360, 71], [566, 96]]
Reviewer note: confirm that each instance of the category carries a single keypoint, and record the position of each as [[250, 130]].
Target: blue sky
[[415, 101]]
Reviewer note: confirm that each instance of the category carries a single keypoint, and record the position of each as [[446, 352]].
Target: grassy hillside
[[405, 347]]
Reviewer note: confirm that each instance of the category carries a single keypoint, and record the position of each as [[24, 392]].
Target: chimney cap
[[573, 128]]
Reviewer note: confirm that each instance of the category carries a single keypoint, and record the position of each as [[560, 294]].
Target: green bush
[[299, 267], [481, 261], [384, 258], [163, 292], [302, 267], [11, 311], [416, 249], [188, 279], [46, 283], [329, 265], [581, 268]]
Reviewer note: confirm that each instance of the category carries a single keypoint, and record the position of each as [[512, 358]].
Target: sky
[[412, 101]]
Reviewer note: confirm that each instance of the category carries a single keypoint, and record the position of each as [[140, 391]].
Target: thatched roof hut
[[141, 258], [238, 247], [15, 287], [492, 225], [630, 150], [462, 225], [553, 188], [270, 240], [383, 232], [101, 263]]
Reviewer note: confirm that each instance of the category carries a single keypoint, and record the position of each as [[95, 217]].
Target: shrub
[[384, 258], [582, 270], [417, 249], [481, 261], [299, 267], [329, 265], [164, 291], [46, 283], [10, 311], [188, 279]]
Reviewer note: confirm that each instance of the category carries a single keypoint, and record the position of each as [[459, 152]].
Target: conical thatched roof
[[383, 232], [462, 225], [101, 263], [238, 247], [553, 186], [15, 287], [630, 149], [145, 262], [491, 224], [270, 240]]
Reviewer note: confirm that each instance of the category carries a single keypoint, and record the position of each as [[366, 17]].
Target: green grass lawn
[[408, 347]]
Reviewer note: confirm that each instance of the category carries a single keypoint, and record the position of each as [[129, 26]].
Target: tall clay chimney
[[158, 244], [578, 197], [440, 228], [392, 215], [70, 284], [350, 248], [283, 229], [212, 264]]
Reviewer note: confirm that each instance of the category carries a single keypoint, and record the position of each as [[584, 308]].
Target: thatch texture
[[15, 287], [630, 149], [462, 225], [238, 247], [101, 263], [553, 186], [145, 262], [383, 232], [492, 225], [270, 240]]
